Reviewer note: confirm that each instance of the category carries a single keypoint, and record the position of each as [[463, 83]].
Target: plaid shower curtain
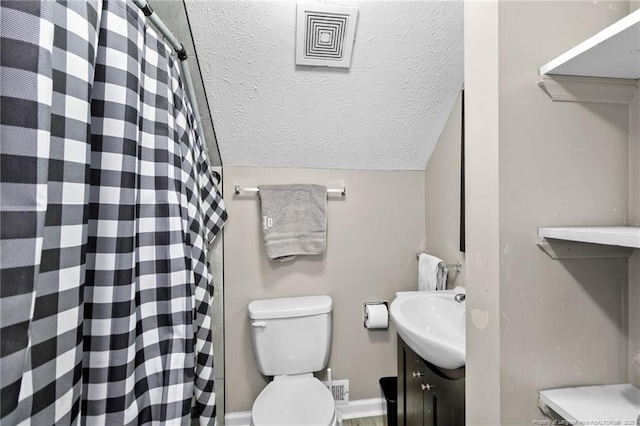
[[107, 208]]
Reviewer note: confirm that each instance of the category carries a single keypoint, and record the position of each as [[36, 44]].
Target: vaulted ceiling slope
[[384, 113]]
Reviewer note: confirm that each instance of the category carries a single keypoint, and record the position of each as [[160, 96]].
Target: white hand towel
[[432, 273]]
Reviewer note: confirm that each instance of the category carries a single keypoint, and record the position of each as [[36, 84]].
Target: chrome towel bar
[[455, 266], [342, 191]]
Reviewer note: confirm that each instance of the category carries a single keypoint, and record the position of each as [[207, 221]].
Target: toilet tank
[[291, 335]]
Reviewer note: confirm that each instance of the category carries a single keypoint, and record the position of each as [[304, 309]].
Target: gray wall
[[558, 323], [442, 196], [373, 237]]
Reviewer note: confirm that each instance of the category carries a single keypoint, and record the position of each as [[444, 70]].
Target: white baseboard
[[353, 410]]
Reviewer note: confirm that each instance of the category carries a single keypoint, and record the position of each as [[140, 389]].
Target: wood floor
[[367, 421]]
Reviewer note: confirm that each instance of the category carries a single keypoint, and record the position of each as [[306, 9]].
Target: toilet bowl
[[291, 339], [294, 401]]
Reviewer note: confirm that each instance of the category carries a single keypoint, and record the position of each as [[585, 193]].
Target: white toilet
[[291, 340]]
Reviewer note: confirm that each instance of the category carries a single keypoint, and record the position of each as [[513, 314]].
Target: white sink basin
[[432, 323]]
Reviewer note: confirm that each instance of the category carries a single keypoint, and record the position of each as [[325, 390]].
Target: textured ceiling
[[384, 113]]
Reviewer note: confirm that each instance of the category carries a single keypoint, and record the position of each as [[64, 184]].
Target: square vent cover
[[324, 35]]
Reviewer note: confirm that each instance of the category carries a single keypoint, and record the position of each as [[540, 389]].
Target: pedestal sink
[[432, 323]]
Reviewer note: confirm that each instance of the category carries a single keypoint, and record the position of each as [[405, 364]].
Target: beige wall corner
[[442, 196], [482, 214], [374, 234]]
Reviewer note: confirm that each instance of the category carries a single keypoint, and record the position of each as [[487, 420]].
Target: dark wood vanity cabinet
[[428, 395]]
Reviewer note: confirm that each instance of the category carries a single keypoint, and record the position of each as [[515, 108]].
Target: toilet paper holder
[[365, 315]]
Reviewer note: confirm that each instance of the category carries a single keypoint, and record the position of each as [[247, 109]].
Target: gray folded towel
[[294, 220]]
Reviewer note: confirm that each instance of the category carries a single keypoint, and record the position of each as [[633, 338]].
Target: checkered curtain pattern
[[107, 208]]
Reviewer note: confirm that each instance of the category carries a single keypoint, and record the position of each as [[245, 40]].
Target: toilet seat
[[294, 401]]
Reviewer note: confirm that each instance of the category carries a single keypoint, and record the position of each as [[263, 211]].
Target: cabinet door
[[429, 408], [438, 398], [444, 414], [458, 402], [414, 396], [426, 397]]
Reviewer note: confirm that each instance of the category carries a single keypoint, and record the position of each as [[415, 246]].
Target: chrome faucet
[[459, 297]]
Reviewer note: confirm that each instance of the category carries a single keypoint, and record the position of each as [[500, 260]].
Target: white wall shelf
[[563, 88], [561, 249], [623, 236], [613, 53], [604, 68], [590, 405], [589, 242]]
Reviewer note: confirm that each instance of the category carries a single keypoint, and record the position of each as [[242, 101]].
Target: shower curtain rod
[[182, 55]]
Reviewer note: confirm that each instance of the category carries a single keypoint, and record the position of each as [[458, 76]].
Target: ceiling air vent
[[324, 35]]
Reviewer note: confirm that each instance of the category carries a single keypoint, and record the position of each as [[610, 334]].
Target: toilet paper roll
[[377, 316]]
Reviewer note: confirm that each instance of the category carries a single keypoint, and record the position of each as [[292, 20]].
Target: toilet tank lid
[[289, 307]]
